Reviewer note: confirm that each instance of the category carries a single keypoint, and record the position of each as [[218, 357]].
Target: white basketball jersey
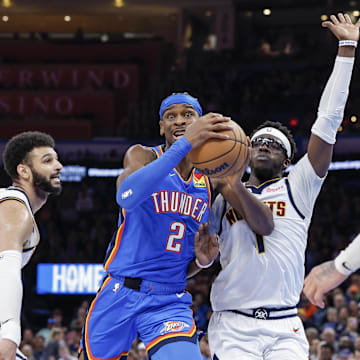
[[31, 243], [265, 271]]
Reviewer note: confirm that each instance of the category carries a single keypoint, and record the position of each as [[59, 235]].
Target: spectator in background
[[329, 336], [28, 336], [64, 353], [52, 348], [331, 318], [27, 351], [351, 328], [314, 349], [343, 314], [311, 334], [344, 354], [45, 332], [38, 346], [326, 352]]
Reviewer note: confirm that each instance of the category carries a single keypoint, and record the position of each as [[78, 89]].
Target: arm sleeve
[[305, 185], [11, 295], [138, 186], [348, 260], [333, 100]]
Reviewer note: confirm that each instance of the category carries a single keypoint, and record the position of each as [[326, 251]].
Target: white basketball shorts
[[234, 336]]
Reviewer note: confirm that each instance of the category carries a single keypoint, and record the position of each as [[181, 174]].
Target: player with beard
[[32, 163], [255, 295]]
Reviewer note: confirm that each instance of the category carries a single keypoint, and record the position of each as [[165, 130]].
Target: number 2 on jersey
[[173, 242]]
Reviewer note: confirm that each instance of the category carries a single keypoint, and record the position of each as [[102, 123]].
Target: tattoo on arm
[[325, 270]]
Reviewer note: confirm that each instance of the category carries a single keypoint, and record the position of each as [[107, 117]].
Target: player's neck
[[37, 197], [255, 181], [184, 168]]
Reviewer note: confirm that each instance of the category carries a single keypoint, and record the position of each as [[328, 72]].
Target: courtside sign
[[69, 278]]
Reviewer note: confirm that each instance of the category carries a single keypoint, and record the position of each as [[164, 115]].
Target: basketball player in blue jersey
[[255, 316], [32, 163], [163, 201]]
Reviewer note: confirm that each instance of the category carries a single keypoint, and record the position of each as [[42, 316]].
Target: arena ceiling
[[141, 15]]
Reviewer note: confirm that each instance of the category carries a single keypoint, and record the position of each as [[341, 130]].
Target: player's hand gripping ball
[[219, 158]]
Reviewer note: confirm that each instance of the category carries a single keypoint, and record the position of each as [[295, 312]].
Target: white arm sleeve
[[305, 185], [11, 295], [333, 100], [348, 260]]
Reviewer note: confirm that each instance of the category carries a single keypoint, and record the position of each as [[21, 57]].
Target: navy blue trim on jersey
[[215, 357], [154, 349], [292, 199], [18, 356], [16, 189], [110, 247], [28, 249], [258, 189]]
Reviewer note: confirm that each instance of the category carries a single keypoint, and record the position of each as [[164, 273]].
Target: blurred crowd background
[[95, 82]]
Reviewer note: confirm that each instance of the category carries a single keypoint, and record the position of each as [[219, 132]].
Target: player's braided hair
[[19, 146], [283, 129]]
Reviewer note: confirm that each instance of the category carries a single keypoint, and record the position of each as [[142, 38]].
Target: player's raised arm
[[13, 234], [328, 275], [333, 99]]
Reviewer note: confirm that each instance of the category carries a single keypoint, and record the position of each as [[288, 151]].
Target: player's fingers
[[204, 230], [348, 18], [196, 237], [221, 127], [205, 227], [357, 24], [327, 24], [334, 19], [341, 17], [318, 299], [214, 240]]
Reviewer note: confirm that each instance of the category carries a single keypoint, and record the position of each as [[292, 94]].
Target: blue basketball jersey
[[155, 241]]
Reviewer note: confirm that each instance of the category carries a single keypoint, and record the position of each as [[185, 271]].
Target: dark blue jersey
[[155, 241]]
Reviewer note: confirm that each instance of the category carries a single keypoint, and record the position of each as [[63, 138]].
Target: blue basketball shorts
[[118, 314]]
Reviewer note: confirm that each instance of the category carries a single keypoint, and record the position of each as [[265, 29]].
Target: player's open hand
[[342, 27], [206, 247], [321, 279]]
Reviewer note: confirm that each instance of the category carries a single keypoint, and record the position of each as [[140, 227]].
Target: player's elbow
[[125, 197], [266, 227]]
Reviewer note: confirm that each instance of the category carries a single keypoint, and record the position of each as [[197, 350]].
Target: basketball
[[219, 158]]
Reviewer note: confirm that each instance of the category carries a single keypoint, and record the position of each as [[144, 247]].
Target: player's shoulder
[[15, 213], [140, 152]]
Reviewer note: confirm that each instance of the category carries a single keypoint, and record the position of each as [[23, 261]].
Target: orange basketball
[[218, 158]]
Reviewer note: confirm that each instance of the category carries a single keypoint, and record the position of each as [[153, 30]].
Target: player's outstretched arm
[[142, 174], [15, 227], [321, 279], [326, 276], [333, 99]]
